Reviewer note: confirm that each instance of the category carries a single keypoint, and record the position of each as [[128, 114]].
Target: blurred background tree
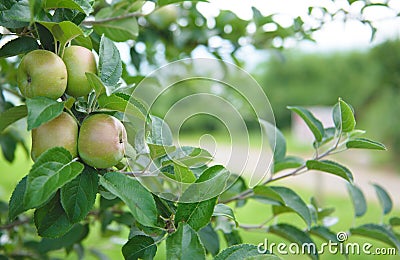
[[369, 79]]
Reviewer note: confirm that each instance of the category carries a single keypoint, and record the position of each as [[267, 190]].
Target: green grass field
[[252, 213]]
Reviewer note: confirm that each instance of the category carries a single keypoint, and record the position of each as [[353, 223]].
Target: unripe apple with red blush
[[78, 61], [62, 131], [42, 73], [101, 141]]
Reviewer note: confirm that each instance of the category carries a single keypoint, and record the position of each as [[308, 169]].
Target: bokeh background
[[305, 53]]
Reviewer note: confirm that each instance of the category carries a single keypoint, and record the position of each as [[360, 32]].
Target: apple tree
[[63, 76]]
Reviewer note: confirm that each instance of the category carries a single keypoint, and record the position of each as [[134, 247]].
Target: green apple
[[42, 73], [61, 131], [101, 141], [78, 60]]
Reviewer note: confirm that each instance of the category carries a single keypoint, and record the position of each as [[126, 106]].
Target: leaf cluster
[[191, 206]]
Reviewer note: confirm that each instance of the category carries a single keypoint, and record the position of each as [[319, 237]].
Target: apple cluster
[[101, 138]]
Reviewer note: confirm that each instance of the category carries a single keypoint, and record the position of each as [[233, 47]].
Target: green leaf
[[238, 252], [41, 110], [136, 102], [63, 32], [314, 213], [289, 198], [139, 200], [159, 132], [184, 244], [343, 116], [236, 185], [212, 173], [210, 183], [78, 196], [95, 83], [330, 167], [35, 8], [288, 162], [110, 64], [77, 233], [69, 102], [83, 6], [322, 213], [12, 115], [140, 246], [182, 174], [261, 19], [225, 211], [364, 143], [9, 141], [164, 207], [377, 232], [197, 215], [324, 233], [394, 221], [119, 30], [51, 219], [157, 151], [337, 116], [117, 102], [384, 198], [276, 140], [295, 235], [83, 41], [52, 170], [314, 124], [329, 134], [159, 138], [356, 133], [294, 201], [277, 210], [233, 237], [210, 239], [15, 207], [17, 15], [358, 200], [46, 38], [187, 155], [8, 145], [18, 46], [268, 195]]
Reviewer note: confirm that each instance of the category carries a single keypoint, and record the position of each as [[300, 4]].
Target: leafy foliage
[[52, 170], [42, 110], [137, 198], [69, 199], [314, 124], [184, 243], [372, 91]]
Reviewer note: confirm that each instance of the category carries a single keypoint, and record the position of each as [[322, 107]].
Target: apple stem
[[61, 50]]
